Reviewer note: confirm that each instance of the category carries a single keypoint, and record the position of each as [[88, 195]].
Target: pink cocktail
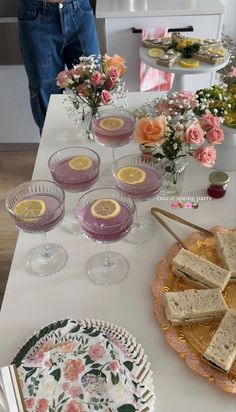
[[139, 177], [106, 216], [37, 207], [76, 169]]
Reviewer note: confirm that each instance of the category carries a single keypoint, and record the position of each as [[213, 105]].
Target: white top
[[31, 302], [152, 8], [176, 68]]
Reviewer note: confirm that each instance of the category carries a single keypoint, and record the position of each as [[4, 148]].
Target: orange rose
[[114, 61], [150, 130]]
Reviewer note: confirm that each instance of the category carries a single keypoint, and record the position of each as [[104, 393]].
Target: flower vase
[[87, 116], [174, 178]]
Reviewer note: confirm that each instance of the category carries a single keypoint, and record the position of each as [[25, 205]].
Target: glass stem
[[45, 252], [137, 222], [113, 155], [108, 261]]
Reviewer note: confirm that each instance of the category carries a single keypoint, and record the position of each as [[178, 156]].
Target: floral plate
[[80, 366], [190, 341]]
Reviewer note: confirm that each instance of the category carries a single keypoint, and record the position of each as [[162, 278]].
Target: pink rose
[[208, 121], [206, 156], [110, 83], [232, 73], [83, 89], [75, 391], [63, 79], [29, 403], [105, 97], [194, 134], [114, 365], [96, 78], [74, 406], [42, 405], [96, 351], [72, 369], [215, 136], [113, 73]]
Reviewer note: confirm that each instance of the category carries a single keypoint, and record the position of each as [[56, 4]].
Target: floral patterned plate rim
[[190, 341], [93, 364]]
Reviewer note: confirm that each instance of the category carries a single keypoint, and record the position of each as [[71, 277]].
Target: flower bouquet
[[93, 82], [171, 129]]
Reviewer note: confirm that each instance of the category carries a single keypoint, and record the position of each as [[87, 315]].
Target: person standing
[[53, 34]]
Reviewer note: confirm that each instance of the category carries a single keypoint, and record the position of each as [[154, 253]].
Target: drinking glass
[[76, 169], [139, 177], [112, 128], [106, 216], [37, 207]]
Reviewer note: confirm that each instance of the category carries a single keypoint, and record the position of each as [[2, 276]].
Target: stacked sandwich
[[207, 302]]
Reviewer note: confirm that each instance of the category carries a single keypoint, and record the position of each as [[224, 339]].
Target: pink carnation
[[215, 136], [114, 365], [42, 405], [29, 403], [206, 156], [208, 121], [96, 351], [74, 406], [194, 134], [105, 97]]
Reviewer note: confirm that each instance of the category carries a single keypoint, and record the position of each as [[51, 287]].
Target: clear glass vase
[[174, 178], [86, 121]]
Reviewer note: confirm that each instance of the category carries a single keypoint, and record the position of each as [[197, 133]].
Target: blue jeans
[[52, 35]]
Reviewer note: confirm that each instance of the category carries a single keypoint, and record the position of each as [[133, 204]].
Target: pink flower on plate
[[96, 351], [74, 406], [67, 347], [73, 368], [105, 97], [194, 133], [96, 78], [42, 405], [65, 386], [206, 156], [215, 136], [208, 121], [75, 391], [114, 365], [29, 403]]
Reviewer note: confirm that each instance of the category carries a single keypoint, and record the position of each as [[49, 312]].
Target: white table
[[180, 72], [31, 302]]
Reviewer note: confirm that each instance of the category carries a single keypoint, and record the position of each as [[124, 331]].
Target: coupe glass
[[74, 178], [151, 173], [106, 268], [112, 128], [48, 258]]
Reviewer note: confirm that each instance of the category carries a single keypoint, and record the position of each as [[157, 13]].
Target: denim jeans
[[52, 35]]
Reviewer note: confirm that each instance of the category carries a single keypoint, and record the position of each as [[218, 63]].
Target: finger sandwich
[[226, 248], [199, 271], [194, 305], [221, 353]]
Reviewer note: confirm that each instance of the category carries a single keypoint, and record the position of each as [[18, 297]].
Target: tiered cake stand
[[180, 72]]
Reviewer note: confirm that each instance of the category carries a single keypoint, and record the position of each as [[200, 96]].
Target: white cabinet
[[120, 39]]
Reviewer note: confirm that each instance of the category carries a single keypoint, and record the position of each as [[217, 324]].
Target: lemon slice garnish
[[189, 63], [131, 175], [29, 209], [219, 52], [111, 123], [155, 52], [105, 209], [80, 163]]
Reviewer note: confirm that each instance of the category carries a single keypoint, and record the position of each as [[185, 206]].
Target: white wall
[[230, 18]]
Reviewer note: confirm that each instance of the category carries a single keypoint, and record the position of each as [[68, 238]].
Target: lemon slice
[[105, 209], [219, 52], [111, 123], [188, 63], [131, 175], [80, 163], [155, 52], [29, 209]]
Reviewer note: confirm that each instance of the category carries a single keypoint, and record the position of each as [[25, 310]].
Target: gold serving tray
[[190, 341]]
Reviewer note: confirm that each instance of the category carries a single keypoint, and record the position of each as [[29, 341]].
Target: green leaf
[[27, 376], [61, 397], [114, 378], [60, 408], [56, 374], [129, 365], [126, 408], [88, 360], [96, 365], [51, 409]]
